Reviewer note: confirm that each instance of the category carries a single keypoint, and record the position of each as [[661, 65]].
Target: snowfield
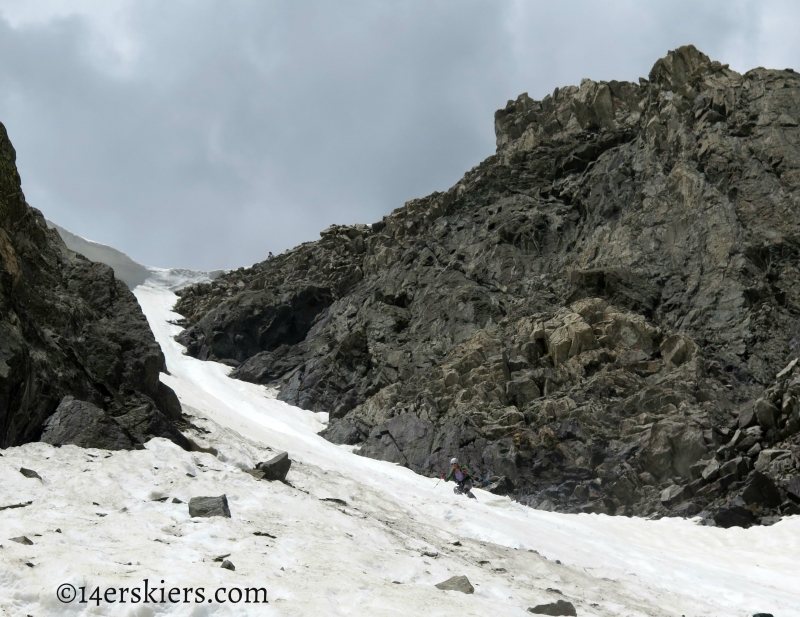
[[348, 535]]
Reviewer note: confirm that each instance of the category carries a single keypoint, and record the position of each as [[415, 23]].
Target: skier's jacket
[[452, 475]]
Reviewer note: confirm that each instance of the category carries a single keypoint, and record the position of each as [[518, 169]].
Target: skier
[[462, 477]]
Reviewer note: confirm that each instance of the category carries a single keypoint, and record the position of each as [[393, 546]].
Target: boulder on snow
[[276, 468], [83, 424], [733, 516], [29, 473], [456, 583], [21, 540], [562, 607], [209, 506], [228, 565]]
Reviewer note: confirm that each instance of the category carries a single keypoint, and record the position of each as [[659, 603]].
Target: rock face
[[69, 328], [597, 312]]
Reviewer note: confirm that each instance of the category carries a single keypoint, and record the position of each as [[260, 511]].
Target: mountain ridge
[[597, 312]]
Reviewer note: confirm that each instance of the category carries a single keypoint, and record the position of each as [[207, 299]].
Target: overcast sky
[[204, 134]]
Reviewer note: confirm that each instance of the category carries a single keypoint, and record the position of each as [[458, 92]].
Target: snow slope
[[378, 550]]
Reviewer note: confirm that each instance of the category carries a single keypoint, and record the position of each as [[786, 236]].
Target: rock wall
[[586, 316], [69, 328]]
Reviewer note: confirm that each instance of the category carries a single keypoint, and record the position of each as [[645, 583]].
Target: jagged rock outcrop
[[68, 327], [592, 312]]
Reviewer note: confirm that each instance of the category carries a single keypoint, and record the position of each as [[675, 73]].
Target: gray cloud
[[205, 134]]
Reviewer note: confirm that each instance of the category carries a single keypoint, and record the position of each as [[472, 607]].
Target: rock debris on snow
[[29, 473], [456, 583], [21, 540], [228, 565], [16, 505], [209, 506], [562, 607], [276, 468]]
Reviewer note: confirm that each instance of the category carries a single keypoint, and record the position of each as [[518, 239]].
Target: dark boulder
[[456, 583], [561, 607], [760, 489], [275, 468], [29, 473], [767, 414], [82, 424], [747, 418], [733, 516], [143, 420], [209, 506], [687, 509]]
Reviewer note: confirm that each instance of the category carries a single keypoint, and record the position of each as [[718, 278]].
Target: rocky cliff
[[72, 338], [593, 318]]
